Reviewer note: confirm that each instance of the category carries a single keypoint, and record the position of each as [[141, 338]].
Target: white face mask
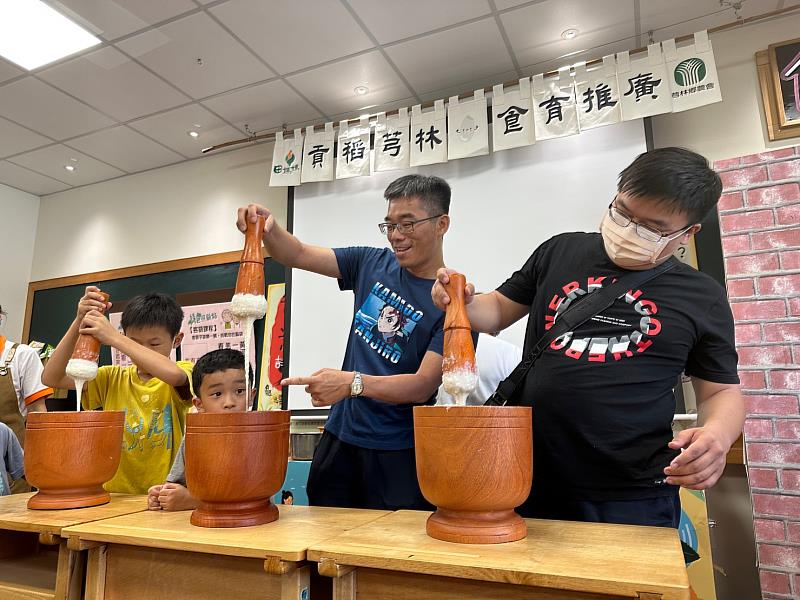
[[627, 248]]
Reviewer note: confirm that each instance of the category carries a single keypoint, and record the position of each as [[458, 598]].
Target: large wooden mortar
[[475, 464], [70, 455], [235, 463]]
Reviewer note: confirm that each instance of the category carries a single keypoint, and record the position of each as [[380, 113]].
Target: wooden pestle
[[251, 265], [88, 347], [459, 351]]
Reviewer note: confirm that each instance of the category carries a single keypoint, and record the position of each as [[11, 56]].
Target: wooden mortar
[[70, 455], [235, 463], [475, 463]]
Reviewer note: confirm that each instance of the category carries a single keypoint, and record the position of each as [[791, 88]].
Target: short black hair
[[434, 192], [286, 494], [677, 178], [215, 361], [153, 310]]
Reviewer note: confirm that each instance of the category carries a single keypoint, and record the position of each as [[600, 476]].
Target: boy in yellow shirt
[[219, 381], [154, 392]]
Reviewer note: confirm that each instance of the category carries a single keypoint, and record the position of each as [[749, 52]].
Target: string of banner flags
[[665, 79]]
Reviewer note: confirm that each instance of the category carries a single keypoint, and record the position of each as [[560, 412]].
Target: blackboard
[[52, 304]]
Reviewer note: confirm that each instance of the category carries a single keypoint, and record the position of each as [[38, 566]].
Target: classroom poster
[[205, 327], [272, 356]]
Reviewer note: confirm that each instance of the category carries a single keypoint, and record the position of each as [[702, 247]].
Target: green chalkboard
[[53, 309]]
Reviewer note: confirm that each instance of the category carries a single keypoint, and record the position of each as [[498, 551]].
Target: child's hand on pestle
[[152, 497], [326, 387], [96, 324], [251, 212], [91, 300], [174, 496], [439, 293]]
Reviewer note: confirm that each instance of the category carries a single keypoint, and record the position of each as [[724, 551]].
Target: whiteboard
[[503, 206]]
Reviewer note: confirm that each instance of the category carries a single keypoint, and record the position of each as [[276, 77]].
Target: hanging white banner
[[692, 70], [643, 84], [512, 116], [353, 150], [597, 94], [391, 142], [286, 159], [428, 135], [554, 109], [468, 127], [318, 155]]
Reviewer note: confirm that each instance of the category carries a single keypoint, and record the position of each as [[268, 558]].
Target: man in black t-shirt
[[602, 395]]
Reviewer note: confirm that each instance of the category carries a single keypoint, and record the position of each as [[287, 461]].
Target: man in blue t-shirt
[[393, 360]]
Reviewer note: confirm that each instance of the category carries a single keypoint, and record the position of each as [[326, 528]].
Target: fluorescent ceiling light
[[33, 34]]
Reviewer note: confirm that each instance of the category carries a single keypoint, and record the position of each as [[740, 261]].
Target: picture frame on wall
[[779, 78]]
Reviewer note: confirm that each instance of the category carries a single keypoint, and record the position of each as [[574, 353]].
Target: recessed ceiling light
[[569, 34], [69, 168], [33, 34], [193, 134], [361, 90]]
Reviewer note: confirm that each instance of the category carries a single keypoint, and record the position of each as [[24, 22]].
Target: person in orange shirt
[[21, 389]]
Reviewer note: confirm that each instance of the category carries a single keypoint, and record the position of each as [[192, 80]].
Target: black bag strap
[[570, 319]]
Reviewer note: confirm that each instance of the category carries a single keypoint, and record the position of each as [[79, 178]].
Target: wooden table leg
[[96, 573], [71, 570]]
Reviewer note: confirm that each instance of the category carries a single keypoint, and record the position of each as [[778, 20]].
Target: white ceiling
[[236, 66]]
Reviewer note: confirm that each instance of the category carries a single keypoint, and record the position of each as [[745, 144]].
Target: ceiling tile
[[331, 88], [469, 86], [43, 108], [28, 181], [467, 53], [681, 17], [126, 149], [115, 18], [15, 139], [535, 31], [389, 20], [50, 161], [9, 71], [282, 33], [115, 84], [262, 107], [173, 51], [172, 129], [372, 110], [503, 4], [554, 64]]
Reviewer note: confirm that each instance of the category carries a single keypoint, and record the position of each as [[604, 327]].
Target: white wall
[[735, 126], [18, 214], [175, 212]]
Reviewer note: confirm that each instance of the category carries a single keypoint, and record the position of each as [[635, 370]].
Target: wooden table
[[392, 558], [157, 554], [34, 559]]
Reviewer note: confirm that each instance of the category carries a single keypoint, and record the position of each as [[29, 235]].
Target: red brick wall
[[760, 224]]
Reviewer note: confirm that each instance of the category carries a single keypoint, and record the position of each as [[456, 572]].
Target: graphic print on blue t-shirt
[[385, 322]]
